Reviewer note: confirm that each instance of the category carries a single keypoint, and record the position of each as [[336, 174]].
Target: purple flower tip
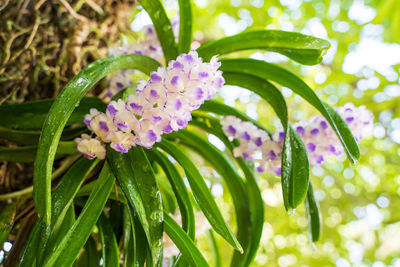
[[152, 48], [120, 148], [103, 126], [112, 110], [152, 135], [272, 155], [157, 118], [323, 124], [349, 119], [155, 77], [136, 106], [154, 94], [245, 156], [300, 130], [282, 135], [311, 147], [178, 65], [231, 129], [315, 131], [258, 141], [200, 93], [86, 122], [119, 85], [246, 136], [178, 104], [189, 58], [174, 80], [167, 129], [203, 74], [260, 169], [331, 148]]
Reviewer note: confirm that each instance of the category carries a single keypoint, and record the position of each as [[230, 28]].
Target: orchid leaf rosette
[[137, 178]]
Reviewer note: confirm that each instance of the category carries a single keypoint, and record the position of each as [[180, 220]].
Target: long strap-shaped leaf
[[31, 115], [201, 193], [135, 175], [277, 74], [302, 48], [181, 193], [163, 27], [185, 26], [28, 153], [313, 215], [186, 246], [60, 112], [71, 244], [108, 243], [213, 126], [90, 256], [295, 167], [232, 179], [6, 221]]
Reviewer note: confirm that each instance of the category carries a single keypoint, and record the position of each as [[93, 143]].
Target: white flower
[[90, 147]]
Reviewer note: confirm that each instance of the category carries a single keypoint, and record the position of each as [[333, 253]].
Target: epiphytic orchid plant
[[134, 146]]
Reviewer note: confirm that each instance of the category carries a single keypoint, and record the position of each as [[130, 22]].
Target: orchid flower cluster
[[148, 46], [318, 137], [161, 105]]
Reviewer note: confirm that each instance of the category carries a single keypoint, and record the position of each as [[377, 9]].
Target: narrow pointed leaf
[[185, 26], [90, 256], [67, 250], [313, 215], [30, 252], [28, 153], [201, 193], [304, 49], [6, 221], [108, 243], [31, 115], [163, 27], [180, 191], [185, 245], [135, 175], [61, 111], [277, 74]]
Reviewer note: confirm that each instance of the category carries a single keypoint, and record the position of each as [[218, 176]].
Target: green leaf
[[66, 190], [60, 112], [232, 179], [295, 166], [256, 203], [185, 245], [108, 243], [225, 110], [313, 215], [31, 248], [185, 26], [162, 26], [28, 153], [6, 221], [67, 250], [201, 193], [31, 115], [180, 191], [135, 175], [215, 249], [140, 243], [304, 49], [90, 256], [277, 74]]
